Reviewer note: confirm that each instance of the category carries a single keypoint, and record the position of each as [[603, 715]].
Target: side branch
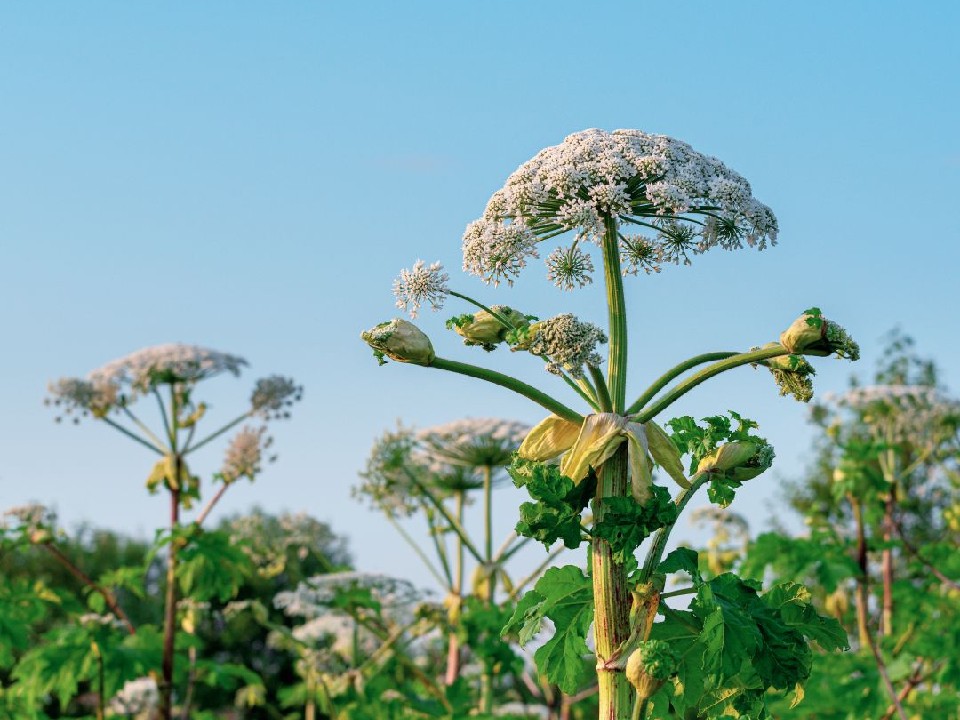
[[528, 391], [661, 382], [80, 575], [716, 368]]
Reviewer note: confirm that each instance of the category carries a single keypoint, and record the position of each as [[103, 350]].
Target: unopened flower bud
[[401, 341], [813, 334], [650, 666], [486, 329], [740, 460]]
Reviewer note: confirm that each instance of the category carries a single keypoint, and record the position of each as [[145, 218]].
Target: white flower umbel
[[173, 363], [421, 284], [473, 442], [691, 202]]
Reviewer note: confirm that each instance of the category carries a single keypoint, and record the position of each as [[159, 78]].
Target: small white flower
[[569, 268], [421, 284]]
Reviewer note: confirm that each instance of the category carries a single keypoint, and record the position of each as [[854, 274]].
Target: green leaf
[[555, 514], [565, 596], [627, 523], [682, 559]]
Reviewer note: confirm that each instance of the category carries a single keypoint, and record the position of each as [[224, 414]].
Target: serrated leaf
[[565, 596]]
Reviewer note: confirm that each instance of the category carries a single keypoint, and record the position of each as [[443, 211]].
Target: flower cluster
[[173, 363], [137, 696], [691, 202], [567, 342], [421, 284], [273, 396], [244, 454], [83, 397], [120, 381], [313, 598], [473, 443]]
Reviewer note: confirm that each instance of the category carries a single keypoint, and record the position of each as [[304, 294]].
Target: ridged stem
[[610, 594]]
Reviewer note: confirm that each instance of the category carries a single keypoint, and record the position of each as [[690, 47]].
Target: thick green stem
[[528, 391], [716, 368], [489, 674], [610, 593], [661, 382], [617, 318]]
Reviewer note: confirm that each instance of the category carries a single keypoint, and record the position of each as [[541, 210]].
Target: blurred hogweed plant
[[433, 471], [592, 189], [169, 376], [353, 623]]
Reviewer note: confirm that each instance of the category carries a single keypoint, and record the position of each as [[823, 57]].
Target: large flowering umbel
[[688, 203], [170, 364]]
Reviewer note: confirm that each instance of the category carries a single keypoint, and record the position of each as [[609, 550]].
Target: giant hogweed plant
[[200, 566], [629, 202], [434, 473]]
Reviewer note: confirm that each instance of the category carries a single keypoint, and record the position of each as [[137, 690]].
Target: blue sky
[[252, 177]]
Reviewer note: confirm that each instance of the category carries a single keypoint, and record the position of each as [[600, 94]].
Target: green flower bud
[[401, 341], [650, 666], [739, 460], [813, 334], [486, 330]]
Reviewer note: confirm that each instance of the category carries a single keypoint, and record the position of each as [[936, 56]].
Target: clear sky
[[251, 177]]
